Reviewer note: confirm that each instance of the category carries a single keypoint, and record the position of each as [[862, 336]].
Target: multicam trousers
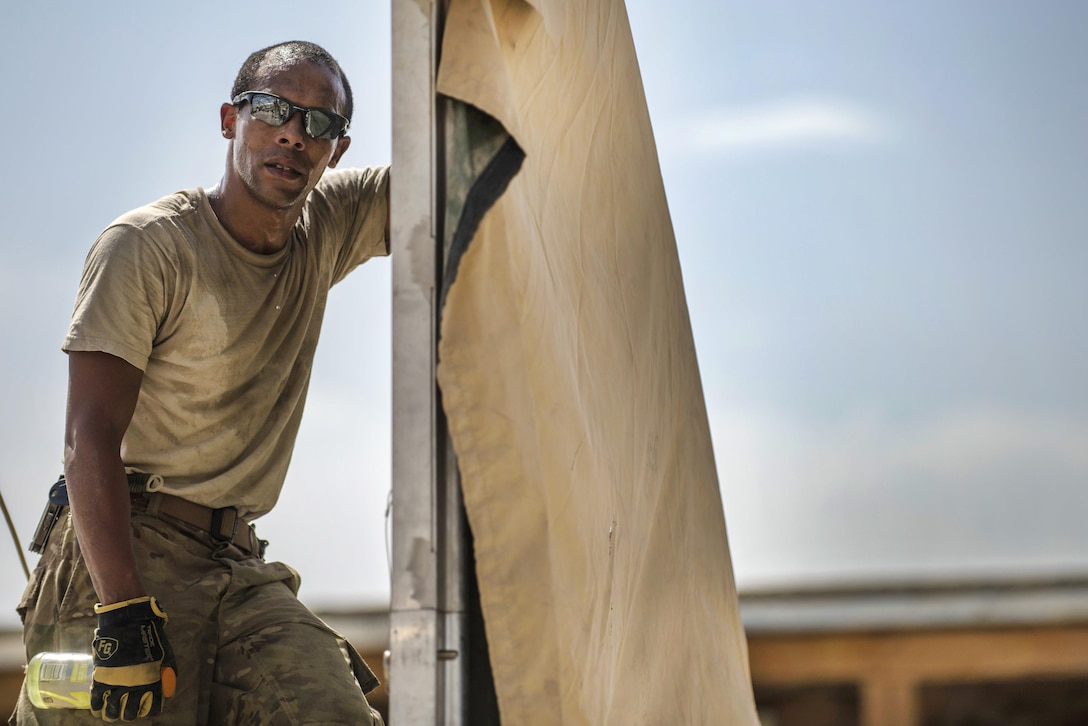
[[248, 651]]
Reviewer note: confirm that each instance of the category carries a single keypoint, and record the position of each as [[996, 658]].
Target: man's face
[[279, 165]]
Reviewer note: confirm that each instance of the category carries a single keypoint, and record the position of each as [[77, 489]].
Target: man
[[190, 351]]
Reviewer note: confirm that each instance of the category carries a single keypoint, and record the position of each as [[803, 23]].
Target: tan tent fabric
[[570, 383]]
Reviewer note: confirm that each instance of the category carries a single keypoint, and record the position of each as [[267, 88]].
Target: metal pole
[[425, 662]]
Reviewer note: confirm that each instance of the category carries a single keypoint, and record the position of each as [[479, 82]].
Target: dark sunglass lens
[[320, 125], [271, 110]]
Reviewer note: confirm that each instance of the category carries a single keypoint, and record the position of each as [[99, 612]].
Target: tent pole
[[426, 659]]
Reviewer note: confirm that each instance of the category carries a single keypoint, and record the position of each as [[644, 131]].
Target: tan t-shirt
[[225, 337]]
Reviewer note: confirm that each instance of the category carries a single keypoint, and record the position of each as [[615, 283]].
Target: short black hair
[[291, 50]]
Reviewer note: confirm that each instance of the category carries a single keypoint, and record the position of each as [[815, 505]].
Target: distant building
[[993, 653]]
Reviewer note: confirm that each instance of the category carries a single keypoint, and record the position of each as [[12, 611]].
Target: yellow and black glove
[[134, 667]]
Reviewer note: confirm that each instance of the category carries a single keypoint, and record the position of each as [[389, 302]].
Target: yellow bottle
[[59, 680]]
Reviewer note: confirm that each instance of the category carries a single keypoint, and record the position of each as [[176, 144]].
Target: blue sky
[[878, 213], [876, 209]]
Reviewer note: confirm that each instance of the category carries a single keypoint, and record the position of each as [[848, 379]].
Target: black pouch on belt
[[54, 509]]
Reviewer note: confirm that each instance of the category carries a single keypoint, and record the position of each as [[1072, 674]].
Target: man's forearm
[[101, 513], [102, 393]]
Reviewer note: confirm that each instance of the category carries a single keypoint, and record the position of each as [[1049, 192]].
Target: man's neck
[[253, 225]]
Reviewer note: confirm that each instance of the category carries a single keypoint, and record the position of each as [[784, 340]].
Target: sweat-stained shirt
[[225, 337]]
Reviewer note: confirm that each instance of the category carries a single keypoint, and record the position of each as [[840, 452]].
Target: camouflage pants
[[248, 651]]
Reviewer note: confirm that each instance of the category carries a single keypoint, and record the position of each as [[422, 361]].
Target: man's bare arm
[[102, 393]]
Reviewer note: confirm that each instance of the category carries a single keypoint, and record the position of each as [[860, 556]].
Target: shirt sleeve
[[122, 297], [351, 208]]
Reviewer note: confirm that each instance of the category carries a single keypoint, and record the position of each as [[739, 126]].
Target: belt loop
[[154, 502]]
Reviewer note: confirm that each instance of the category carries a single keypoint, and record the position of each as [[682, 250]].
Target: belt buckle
[[228, 516]]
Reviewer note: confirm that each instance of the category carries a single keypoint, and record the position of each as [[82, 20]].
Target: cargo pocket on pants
[[367, 680]]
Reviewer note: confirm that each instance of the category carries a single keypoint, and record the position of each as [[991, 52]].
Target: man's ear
[[342, 145], [228, 115]]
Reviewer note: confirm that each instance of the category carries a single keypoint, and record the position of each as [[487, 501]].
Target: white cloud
[[791, 122], [971, 491]]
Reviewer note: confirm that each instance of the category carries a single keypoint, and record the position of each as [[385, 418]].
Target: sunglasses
[[275, 111]]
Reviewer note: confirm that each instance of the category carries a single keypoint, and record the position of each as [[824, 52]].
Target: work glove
[[134, 667]]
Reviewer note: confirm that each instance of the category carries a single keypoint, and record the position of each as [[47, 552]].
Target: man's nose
[[292, 133]]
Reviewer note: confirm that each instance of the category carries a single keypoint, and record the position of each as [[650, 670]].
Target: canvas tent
[[536, 279]]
